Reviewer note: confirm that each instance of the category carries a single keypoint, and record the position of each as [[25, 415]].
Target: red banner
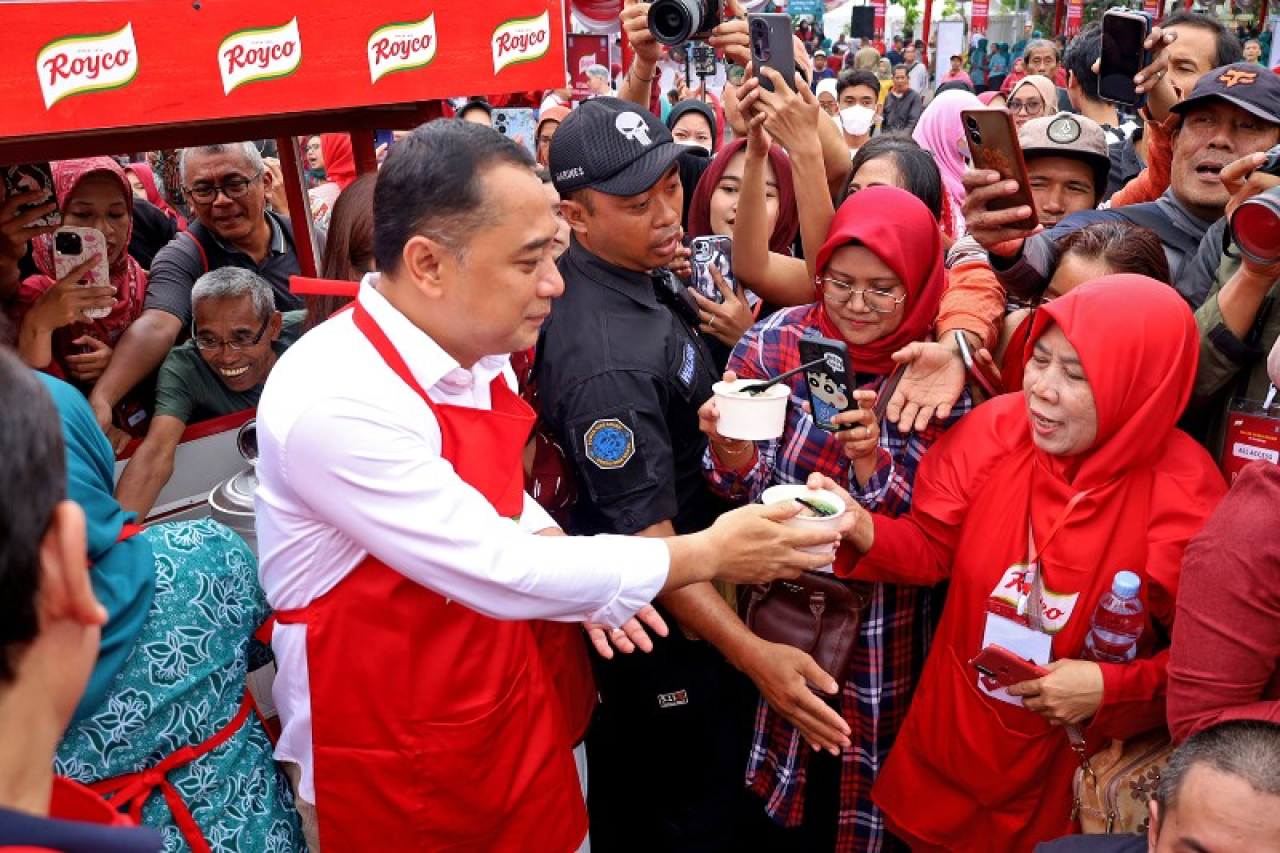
[[585, 51], [1152, 8], [877, 26], [1075, 10], [978, 17], [129, 63]]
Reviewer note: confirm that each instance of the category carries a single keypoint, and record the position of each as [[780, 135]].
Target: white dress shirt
[[351, 465]]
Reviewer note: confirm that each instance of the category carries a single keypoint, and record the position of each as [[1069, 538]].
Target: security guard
[[622, 374]]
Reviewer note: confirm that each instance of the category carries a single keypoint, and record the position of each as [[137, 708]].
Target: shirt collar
[[428, 362], [279, 245], [637, 286]]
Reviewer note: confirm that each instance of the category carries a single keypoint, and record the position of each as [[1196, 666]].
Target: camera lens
[[971, 122], [68, 243], [1255, 226], [673, 22]]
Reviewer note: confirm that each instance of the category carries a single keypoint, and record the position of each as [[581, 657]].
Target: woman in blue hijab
[[182, 601]]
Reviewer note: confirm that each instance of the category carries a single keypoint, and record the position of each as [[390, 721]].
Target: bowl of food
[[749, 416], [819, 509]]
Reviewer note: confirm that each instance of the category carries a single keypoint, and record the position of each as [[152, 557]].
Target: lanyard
[[1033, 583]]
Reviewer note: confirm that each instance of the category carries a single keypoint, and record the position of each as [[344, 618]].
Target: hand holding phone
[[830, 382], [74, 246], [1124, 33], [771, 47], [991, 384], [712, 251], [993, 146], [1004, 669]]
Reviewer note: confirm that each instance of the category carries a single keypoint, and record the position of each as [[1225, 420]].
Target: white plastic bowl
[[785, 493], [752, 418]]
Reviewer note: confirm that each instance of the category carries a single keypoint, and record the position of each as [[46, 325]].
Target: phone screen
[[1122, 57]]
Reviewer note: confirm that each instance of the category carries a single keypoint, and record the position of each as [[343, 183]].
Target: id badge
[[1253, 435], [1022, 640]]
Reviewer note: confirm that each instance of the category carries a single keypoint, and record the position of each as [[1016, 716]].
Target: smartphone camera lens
[[67, 243]]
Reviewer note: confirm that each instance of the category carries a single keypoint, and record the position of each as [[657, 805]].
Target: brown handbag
[[1113, 787], [817, 613]]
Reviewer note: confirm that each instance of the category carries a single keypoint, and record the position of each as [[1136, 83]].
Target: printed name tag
[[1253, 435]]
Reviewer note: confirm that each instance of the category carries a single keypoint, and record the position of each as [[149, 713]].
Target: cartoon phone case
[[72, 246], [993, 145], [771, 46], [715, 250], [830, 384], [30, 177]]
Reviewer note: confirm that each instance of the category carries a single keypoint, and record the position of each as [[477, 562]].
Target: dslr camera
[[674, 22], [1255, 225]]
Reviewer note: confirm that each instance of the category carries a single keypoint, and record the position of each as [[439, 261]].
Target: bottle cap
[[1126, 584]]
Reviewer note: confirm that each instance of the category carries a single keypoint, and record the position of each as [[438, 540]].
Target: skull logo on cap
[[632, 126]]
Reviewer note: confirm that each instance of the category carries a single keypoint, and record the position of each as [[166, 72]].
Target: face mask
[[857, 120]]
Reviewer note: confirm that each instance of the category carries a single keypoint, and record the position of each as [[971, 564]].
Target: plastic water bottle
[[1117, 623]]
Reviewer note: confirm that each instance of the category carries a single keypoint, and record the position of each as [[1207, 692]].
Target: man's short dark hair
[[1229, 47], [1082, 51], [901, 66], [33, 479], [857, 77], [431, 184], [1246, 749]]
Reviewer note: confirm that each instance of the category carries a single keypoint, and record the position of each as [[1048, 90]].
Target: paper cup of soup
[[824, 512], [751, 417]]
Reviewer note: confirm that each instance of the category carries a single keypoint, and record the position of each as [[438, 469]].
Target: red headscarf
[[899, 230], [788, 222], [339, 161], [128, 278], [142, 171]]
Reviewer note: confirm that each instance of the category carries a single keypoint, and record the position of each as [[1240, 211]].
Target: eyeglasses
[[840, 292], [232, 188], [1031, 108], [242, 341]]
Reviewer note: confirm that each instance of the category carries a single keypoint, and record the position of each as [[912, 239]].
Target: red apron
[[434, 727]]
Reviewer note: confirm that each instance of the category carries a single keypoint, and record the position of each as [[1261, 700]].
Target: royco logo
[[91, 63], [262, 54], [400, 47], [521, 40]]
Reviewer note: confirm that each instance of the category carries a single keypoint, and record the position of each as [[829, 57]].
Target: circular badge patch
[[1064, 130], [609, 443]]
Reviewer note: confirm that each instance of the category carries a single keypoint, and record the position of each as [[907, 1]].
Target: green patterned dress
[[184, 681]]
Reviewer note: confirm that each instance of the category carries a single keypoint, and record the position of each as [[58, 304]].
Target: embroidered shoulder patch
[[609, 443], [688, 364]]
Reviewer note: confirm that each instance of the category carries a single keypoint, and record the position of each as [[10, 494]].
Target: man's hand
[[16, 229], [1243, 181], [88, 366], [726, 321], [635, 24], [279, 198], [680, 265], [66, 302], [731, 37], [630, 636], [780, 673], [994, 229], [1069, 695], [932, 384], [750, 544]]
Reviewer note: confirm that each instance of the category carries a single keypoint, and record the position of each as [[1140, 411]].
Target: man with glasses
[[236, 336], [227, 186]]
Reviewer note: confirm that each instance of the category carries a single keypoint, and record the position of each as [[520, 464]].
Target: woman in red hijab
[[340, 172], [880, 283], [54, 335], [147, 181], [1086, 469]]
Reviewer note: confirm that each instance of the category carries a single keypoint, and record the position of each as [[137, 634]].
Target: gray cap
[[1068, 135]]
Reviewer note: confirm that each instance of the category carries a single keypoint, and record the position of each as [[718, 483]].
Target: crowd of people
[[507, 560]]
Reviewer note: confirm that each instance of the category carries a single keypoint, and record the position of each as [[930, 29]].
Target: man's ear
[[575, 213], [425, 262], [65, 590], [1153, 828], [275, 326]]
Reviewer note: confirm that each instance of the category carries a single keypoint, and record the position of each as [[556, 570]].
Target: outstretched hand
[[630, 636], [929, 389]]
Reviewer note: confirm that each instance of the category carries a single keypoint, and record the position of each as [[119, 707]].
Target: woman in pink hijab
[[941, 132]]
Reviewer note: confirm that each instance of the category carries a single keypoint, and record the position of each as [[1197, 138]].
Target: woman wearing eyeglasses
[[1030, 98], [880, 282]]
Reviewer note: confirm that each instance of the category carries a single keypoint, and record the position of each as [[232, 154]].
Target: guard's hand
[[1069, 695], [635, 25], [87, 367], [725, 321], [681, 266], [929, 389], [66, 302], [709, 416], [780, 673], [994, 229], [630, 636], [750, 544], [16, 228]]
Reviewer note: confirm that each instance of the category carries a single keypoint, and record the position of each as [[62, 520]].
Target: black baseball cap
[[612, 146], [1253, 88]]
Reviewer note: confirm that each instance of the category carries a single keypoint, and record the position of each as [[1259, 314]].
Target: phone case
[[1123, 33], [1005, 668], [518, 124], [771, 45], [32, 176], [715, 250], [830, 385], [91, 242], [993, 145]]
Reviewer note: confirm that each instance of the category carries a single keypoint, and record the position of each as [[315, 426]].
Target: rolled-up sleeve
[[383, 486]]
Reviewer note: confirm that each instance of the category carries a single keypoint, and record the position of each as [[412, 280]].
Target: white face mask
[[857, 119]]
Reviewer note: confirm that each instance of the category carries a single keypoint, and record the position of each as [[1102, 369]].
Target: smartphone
[[993, 145], [988, 383], [1123, 32], [72, 246], [770, 34], [30, 177], [830, 383], [1004, 668], [707, 252], [518, 124]]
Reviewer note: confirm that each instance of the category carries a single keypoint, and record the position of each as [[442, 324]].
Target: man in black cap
[[622, 372], [1233, 112]]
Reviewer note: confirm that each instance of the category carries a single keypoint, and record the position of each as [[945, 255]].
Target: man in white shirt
[[396, 538]]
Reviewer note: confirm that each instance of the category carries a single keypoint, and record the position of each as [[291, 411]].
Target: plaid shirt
[[898, 625]]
